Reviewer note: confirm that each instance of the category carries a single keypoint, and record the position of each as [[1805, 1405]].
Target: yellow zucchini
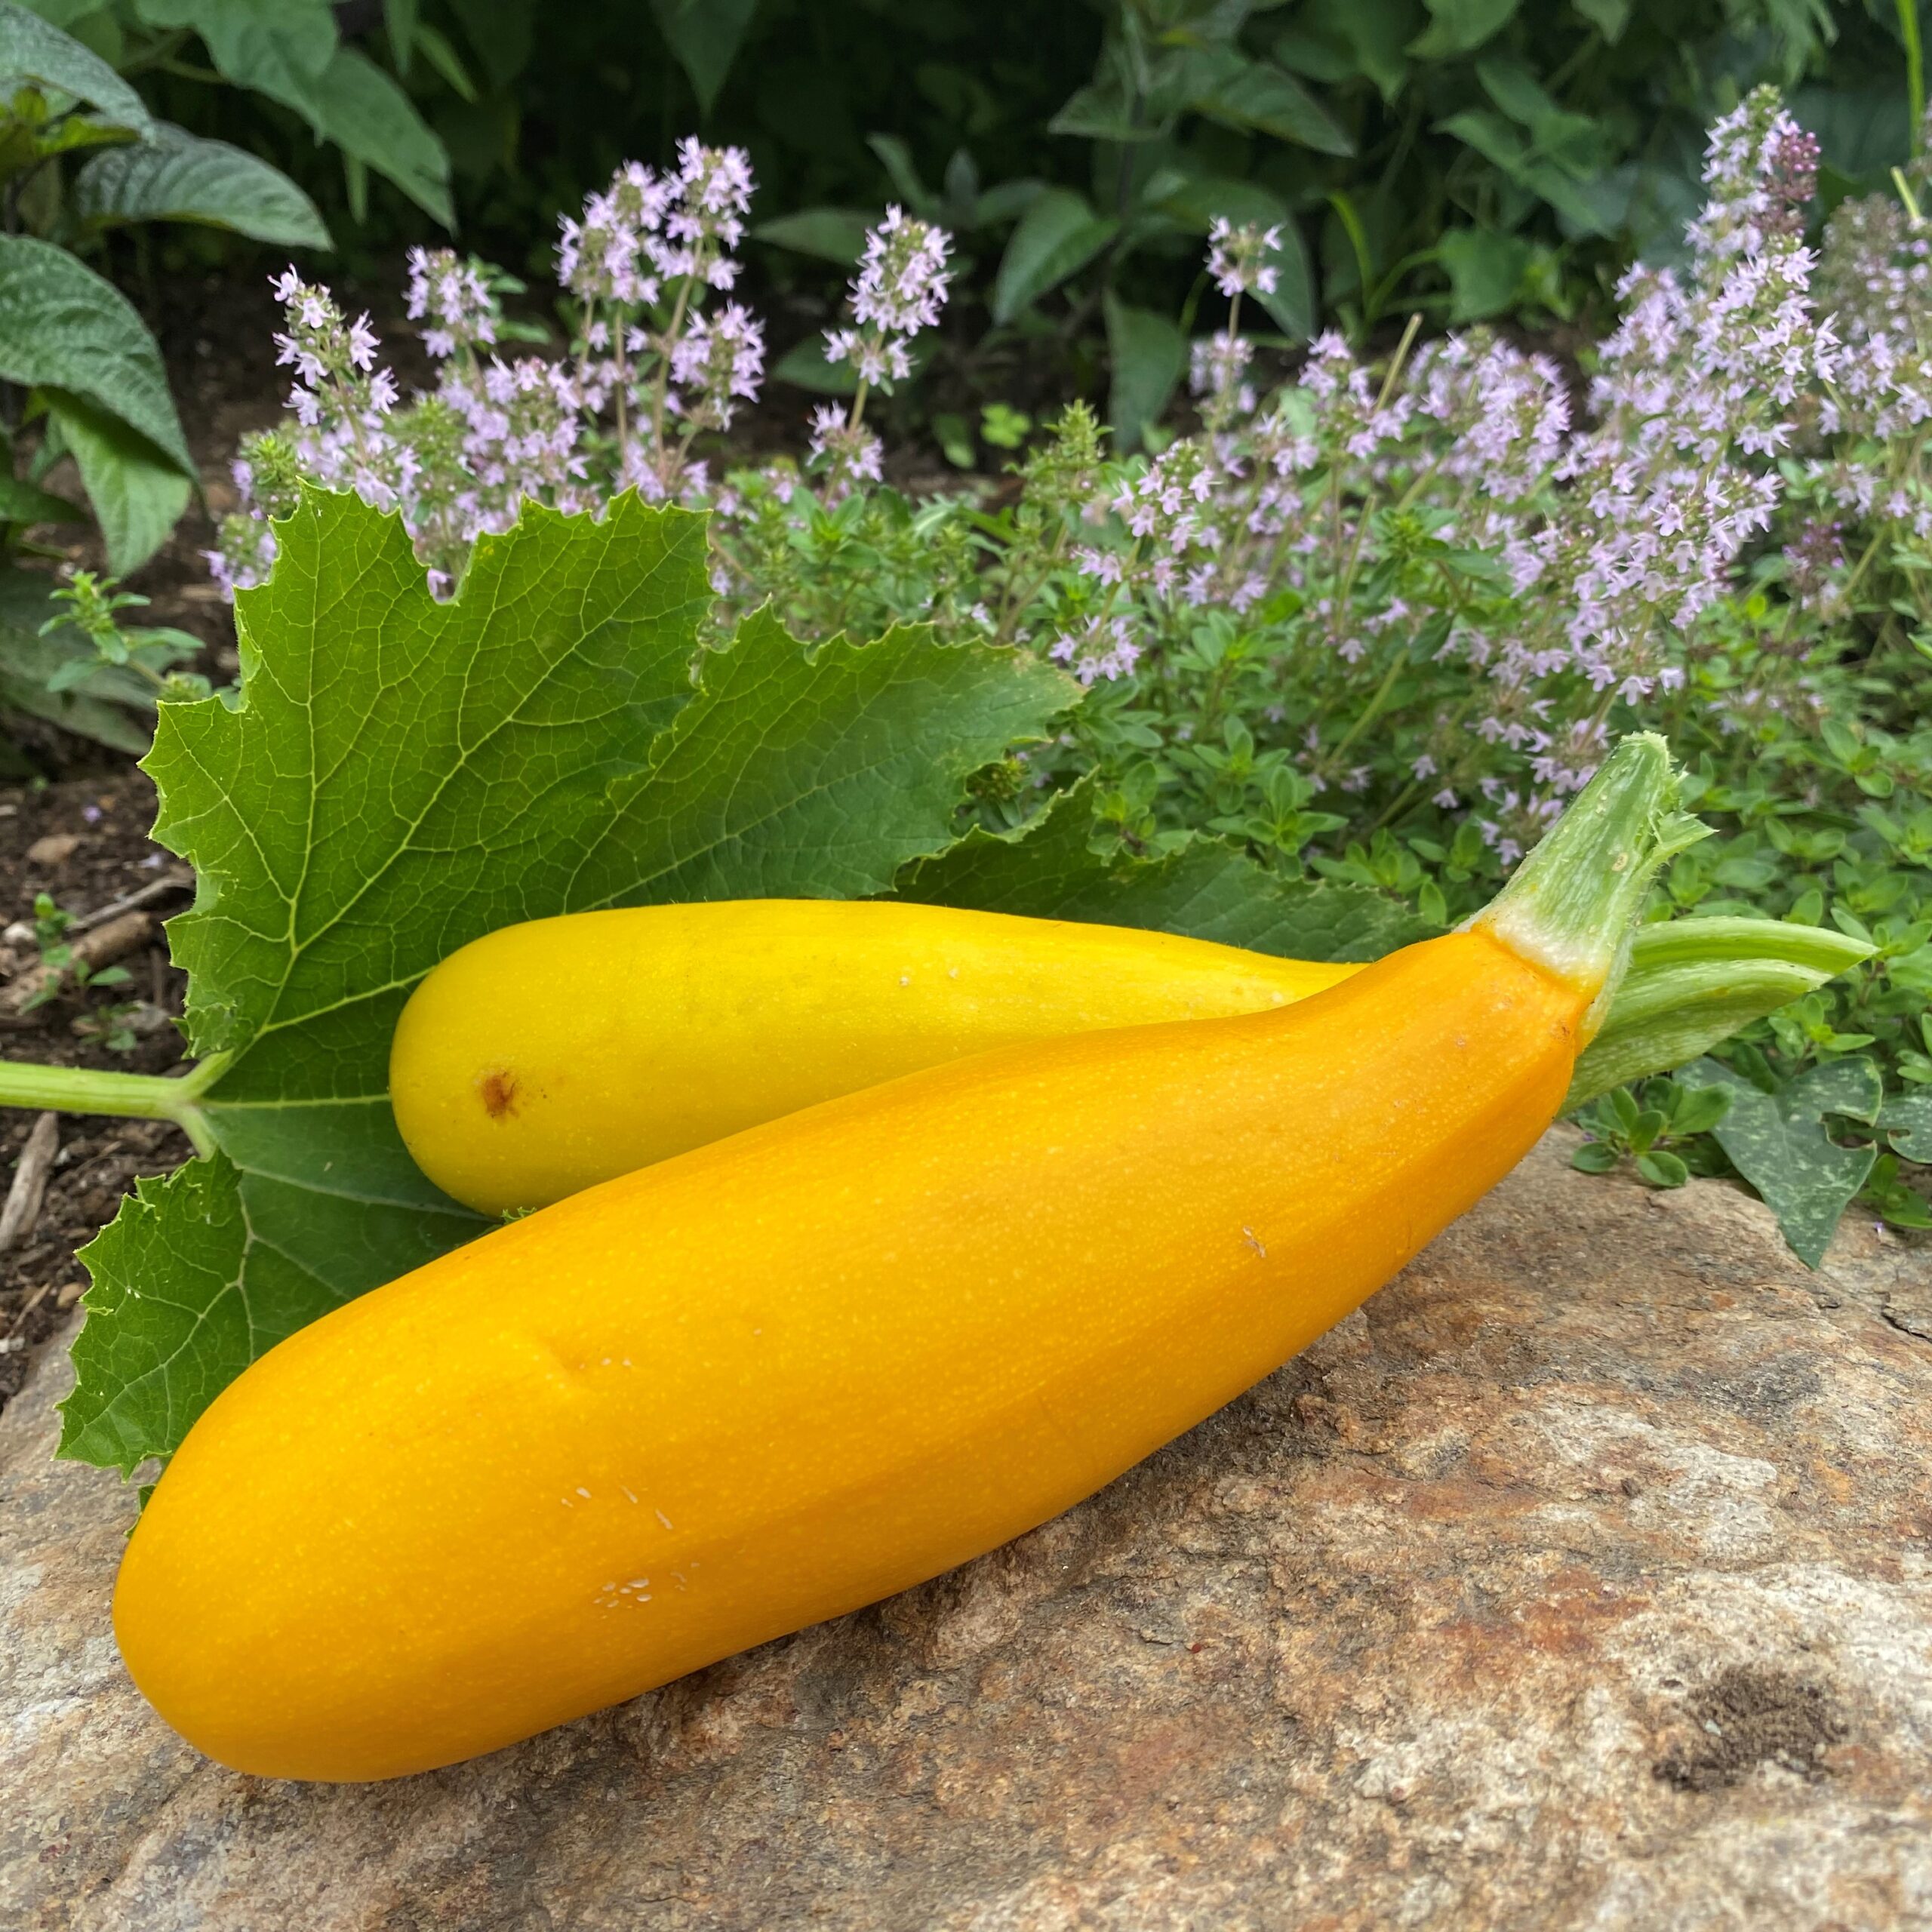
[[549, 1057]]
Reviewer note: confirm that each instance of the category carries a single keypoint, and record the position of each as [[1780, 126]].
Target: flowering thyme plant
[[1377, 621]]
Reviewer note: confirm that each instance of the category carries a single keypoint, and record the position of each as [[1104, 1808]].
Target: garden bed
[[106, 816]]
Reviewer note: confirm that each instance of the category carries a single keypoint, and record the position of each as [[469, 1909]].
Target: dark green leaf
[[1778, 1143], [401, 20], [1111, 109], [1241, 93], [366, 114], [1374, 33], [1458, 26], [1610, 17], [1208, 890], [896, 157], [833, 234], [1485, 271], [138, 495], [804, 365], [63, 326], [1594, 1157], [22, 502], [1587, 206], [1907, 1118], [1148, 356], [1057, 236], [705, 35], [1194, 200], [32, 49], [277, 47], [443, 57], [180, 177]]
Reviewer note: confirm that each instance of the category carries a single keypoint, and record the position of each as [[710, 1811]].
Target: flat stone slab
[[1581, 1579]]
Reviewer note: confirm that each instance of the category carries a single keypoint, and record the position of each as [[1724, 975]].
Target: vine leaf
[[400, 775]]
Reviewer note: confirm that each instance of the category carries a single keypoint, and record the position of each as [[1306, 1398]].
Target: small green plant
[[81, 668], [1655, 1128], [90, 607], [60, 965], [112, 1026]]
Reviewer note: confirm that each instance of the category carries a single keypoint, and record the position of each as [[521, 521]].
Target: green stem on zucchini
[[1692, 983], [84, 1090], [1571, 906]]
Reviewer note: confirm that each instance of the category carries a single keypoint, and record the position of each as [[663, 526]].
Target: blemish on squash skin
[[499, 1091]]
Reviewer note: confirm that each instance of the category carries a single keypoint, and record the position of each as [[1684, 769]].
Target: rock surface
[[1583, 1579]]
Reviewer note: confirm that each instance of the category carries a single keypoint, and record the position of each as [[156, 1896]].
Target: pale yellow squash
[[548, 1056]]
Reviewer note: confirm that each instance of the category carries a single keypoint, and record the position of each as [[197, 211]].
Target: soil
[[108, 813], [1747, 1716]]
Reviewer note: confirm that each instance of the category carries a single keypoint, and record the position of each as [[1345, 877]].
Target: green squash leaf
[[401, 776]]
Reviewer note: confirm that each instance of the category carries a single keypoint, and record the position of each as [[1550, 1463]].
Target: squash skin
[[788, 1373], [546, 1057]]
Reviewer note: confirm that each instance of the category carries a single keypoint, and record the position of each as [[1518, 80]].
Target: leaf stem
[[85, 1090]]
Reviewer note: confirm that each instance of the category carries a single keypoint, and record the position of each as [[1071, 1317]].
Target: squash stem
[[85, 1090], [1692, 983], [1572, 905]]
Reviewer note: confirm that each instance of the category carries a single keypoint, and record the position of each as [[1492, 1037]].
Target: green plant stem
[[82, 1090], [1331, 761], [1914, 64], [1692, 983]]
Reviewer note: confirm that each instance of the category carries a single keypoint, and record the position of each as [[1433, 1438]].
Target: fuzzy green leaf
[[137, 494], [35, 49], [63, 326], [401, 776]]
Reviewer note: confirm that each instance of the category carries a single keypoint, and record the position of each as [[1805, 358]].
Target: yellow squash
[[791, 1372], [549, 1057]]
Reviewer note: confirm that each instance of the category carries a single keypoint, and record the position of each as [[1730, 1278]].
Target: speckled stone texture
[[1581, 1580]]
